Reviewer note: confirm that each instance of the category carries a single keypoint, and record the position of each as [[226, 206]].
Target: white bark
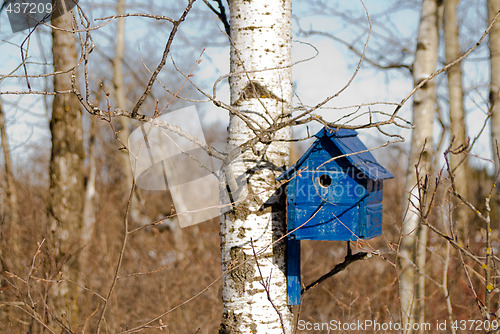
[[260, 39], [413, 244]]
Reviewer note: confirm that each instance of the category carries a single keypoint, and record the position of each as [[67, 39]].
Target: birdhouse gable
[[338, 150]]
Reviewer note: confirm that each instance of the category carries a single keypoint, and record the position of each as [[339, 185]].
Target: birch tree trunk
[[412, 254], [458, 132], [66, 191], [260, 39], [494, 40]]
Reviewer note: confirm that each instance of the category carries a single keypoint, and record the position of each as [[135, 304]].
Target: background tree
[[121, 103], [11, 209], [458, 131], [412, 255], [66, 192], [9, 228], [135, 280], [494, 41]]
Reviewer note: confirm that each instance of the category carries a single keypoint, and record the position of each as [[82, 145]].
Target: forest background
[[170, 278]]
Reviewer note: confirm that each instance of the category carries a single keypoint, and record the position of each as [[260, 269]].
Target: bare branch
[[156, 17], [173, 32], [221, 14], [349, 258]]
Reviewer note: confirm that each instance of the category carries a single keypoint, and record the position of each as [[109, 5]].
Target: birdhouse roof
[[350, 146]]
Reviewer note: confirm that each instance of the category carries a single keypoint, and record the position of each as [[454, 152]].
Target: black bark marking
[[254, 90], [230, 323], [244, 271]]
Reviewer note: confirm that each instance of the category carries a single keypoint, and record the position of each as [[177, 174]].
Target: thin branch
[[353, 49], [221, 14], [351, 79], [120, 258], [156, 17], [350, 258], [163, 61], [446, 67]]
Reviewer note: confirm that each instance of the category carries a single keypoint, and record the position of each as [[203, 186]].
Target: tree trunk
[[458, 131], [412, 254], [123, 127], [90, 204], [124, 123], [66, 192], [260, 39], [9, 228], [494, 40]]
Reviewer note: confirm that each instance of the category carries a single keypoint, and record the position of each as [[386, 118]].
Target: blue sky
[[394, 26]]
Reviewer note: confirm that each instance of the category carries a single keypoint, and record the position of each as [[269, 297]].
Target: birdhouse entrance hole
[[325, 180]]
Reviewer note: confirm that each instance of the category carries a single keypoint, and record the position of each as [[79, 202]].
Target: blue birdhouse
[[334, 192]]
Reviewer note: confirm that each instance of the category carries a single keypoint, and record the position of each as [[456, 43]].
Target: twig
[[446, 67], [145, 273], [351, 79], [349, 258], [488, 265], [221, 14], [391, 65], [149, 86], [156, 17], [120, 258]]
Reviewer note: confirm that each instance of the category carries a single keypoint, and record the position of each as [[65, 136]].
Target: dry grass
[[163, 268]]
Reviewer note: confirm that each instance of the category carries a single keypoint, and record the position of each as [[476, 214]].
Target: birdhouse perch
[[334, 192]]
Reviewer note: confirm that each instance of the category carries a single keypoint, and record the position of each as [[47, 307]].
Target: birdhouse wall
[[330, 199], [373, 220]]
